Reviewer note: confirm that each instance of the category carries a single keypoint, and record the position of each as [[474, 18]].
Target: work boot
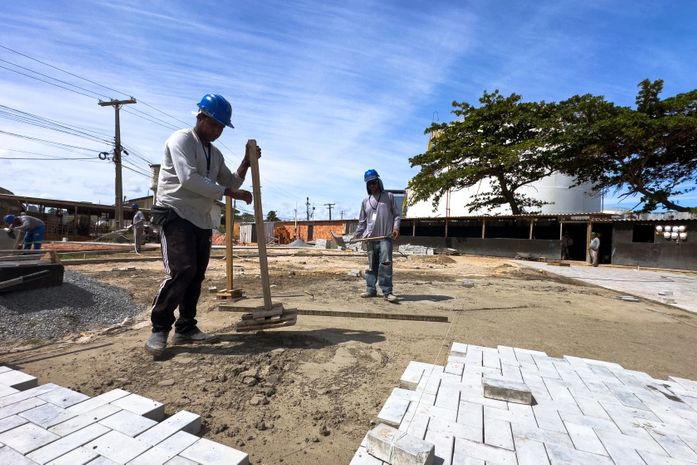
[[157, 343], [194, 336], [391, 297], [367, 295]]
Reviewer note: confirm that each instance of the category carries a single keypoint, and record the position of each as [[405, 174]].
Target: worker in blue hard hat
[[33, 228], [378, 224], [138, 226], [193, 175]]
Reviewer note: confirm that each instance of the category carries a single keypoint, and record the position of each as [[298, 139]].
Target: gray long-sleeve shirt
[[190, 184], [379, 216], [28, 223]]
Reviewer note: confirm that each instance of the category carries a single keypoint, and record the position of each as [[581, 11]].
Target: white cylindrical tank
[[554, 189]]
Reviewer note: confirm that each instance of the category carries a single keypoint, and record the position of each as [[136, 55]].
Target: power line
[[60, 69], [87, 80], [36, 139]]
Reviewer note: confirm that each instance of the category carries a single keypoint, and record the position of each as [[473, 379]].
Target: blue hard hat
[[135, 206], [370, 175], [9, 219], [215, 106]]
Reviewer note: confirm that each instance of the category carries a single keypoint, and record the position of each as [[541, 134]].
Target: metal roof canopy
[[82, 207]]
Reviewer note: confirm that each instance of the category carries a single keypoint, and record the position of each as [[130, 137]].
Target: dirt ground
[[309, 393]]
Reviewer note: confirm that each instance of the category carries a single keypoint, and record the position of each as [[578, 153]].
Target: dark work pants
[[185, 252]]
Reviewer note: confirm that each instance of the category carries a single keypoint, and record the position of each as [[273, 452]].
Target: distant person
[[594, 248], [138, 227], [33, 228], [193, 175], [378, 222], [566, 243]]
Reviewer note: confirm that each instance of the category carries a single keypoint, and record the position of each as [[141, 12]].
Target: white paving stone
[[128, 423], [17, 380], [207, 452], [66, 444], [50, 424], [27, 438], [118, 447], [141, 406], [584, 411], [79, 456]]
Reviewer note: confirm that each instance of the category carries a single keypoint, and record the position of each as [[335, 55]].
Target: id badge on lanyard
[[374, 216]]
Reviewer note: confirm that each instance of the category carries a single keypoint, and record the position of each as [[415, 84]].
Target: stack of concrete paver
[[50, 424], [583, 412]]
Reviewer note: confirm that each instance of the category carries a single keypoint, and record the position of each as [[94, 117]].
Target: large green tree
[[650, 151], [504, 140]]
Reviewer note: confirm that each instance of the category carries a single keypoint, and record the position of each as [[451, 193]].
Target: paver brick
[[561, 455], [17, 380], [362, 457], [47, 415], [464, 448], [529, 452], [27, 437], [443, 447], [585, 439], [98, 401], [84, 419], [180, 421], [141, 406], [398, 447], [63, 397], [510, 391], [67, 443], [12, 457], [29, 393], [207, 452], [79, 456], [19, 407], [118, 447], [178, 460], [166, 450], [128, 423], [498, 433], [7, 390], [11, 422], [393, 410]]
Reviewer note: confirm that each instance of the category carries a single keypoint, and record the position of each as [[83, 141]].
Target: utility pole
[[117, 157], [342, 214], [329, 207], [307, 209]]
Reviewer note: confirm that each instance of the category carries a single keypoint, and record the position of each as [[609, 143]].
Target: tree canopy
[[504, 139], [650, 151], [271, 216]]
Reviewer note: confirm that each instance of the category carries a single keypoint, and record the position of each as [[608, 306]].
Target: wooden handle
[[229, 231], [251, 153]]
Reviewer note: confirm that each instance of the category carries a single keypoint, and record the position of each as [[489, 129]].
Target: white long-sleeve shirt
[[188, 182]]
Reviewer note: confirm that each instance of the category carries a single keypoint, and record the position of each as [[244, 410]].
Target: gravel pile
[[79, 304]]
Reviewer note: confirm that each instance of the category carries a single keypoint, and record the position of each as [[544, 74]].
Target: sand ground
[[308, 393]]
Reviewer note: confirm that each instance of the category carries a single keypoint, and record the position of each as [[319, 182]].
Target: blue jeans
[[34, 237], [379, 266]]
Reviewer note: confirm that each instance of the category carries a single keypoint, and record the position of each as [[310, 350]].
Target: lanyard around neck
[[208, 157], [377, 202]]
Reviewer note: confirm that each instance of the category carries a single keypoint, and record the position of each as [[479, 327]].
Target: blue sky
[[328, 89]]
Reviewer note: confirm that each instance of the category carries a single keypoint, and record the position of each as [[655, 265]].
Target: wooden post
[[589, 230], [483, 229], [532, 225], [229, 229], [251, 152]]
